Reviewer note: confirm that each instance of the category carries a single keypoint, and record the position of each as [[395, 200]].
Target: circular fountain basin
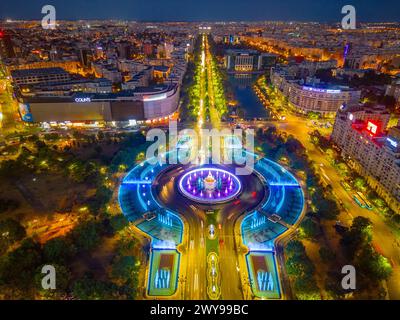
[[209, 185]]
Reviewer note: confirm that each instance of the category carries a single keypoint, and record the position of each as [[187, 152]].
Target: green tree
[[125, 270], [294, 247], [306, 288], [360, 184], [17, 268], [86, 236], [58, 250], [310, 228], [376, 266], [8, 204], [357, 237], [327, 208], [91, 289], [299, 266], [327, 255], [333, 285], [10, 232]]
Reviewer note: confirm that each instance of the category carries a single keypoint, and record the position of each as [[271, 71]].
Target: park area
[[164, 269], [263, 275]]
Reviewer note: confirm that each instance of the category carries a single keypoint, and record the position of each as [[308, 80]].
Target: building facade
[[322, 99], [247, 60], [6, 46], [141, 104], [42, 75], [373, 153]]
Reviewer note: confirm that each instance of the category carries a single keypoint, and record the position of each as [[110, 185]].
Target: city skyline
[[177, 10], [213, 161]]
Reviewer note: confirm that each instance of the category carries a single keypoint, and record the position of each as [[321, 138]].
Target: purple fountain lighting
[[209, 185]]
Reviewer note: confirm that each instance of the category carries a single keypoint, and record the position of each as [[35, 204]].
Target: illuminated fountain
[[209, 185]]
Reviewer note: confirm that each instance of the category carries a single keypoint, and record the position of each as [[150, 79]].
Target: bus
[[367, 204], [358, 201]]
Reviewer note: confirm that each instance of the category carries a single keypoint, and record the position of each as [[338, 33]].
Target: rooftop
[[37, 72], [138, 91]]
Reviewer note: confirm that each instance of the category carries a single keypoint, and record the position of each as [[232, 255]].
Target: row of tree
[[20, 268], [301, 269]]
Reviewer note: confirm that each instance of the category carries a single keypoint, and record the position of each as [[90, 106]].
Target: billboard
[[25, 112]]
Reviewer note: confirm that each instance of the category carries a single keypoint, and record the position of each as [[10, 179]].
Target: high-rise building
[[147, 49], [85, 57], [393, 90], [54, 54], [169, 48], [6, 46], [373, 153], [124, 50]]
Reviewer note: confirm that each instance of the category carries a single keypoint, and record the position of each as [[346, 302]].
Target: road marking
[[324, 174], [196, 280]]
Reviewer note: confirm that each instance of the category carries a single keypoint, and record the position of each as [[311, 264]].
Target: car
[[365, 201], [211, 231]]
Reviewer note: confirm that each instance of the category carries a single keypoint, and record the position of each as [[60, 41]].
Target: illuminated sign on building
[[321, 90], [155, 97], [82, 100], [25, 112], [372, 127]]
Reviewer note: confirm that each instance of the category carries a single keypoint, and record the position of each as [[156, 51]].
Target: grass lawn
[[263, 262], [161, 261], [212, 244]]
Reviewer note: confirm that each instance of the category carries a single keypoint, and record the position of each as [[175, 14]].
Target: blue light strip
[[137, 182], [283, 184]]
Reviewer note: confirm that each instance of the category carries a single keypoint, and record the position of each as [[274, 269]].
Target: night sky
[[204, 10]]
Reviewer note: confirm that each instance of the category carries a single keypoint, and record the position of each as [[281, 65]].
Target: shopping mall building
[[139, 105]]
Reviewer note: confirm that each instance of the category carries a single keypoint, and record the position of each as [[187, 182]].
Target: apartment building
[[372, 151], [43, 75]]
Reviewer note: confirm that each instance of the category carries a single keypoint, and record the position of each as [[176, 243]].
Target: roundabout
[[209, 185], [193, 211]]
